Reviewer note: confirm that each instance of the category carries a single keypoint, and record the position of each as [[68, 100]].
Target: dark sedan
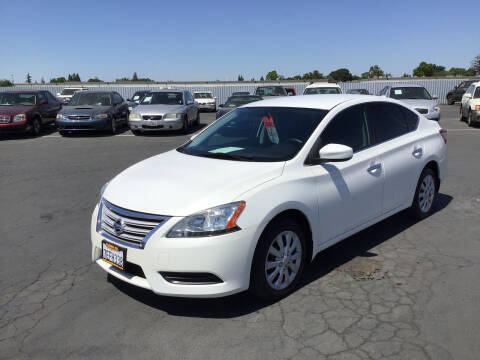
[[358, 91], [93, 110], [136, 98], [235, 101], [27, 111]]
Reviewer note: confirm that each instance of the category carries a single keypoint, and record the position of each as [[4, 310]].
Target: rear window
[[321, 90], [387, 121]]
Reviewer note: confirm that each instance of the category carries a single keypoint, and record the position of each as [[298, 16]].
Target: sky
[[218, 40]]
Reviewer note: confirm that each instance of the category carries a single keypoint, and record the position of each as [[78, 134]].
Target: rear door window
[[387, 121]]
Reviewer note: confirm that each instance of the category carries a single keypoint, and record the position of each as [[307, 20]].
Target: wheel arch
[[432, 164]]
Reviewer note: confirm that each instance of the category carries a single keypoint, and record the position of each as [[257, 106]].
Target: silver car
[[416, 97], [165, 109]]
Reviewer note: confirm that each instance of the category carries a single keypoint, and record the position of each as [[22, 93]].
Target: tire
[[35, 131], [285, 272], [62, 132], [425, 195], [113, 126], [461, 114], [197, 119], [470, 120], [450, 100], [136, 132], [186, 126]]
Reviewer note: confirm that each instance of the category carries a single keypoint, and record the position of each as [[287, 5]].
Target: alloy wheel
[[426, 193]]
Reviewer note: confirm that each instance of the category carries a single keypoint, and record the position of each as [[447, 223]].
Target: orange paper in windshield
[[271, 129]]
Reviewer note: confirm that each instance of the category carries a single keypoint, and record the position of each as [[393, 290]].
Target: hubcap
[[36, 126], [426, 193], [283, 260]]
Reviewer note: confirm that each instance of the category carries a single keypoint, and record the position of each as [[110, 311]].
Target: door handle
[[417, 152], [374, 168]]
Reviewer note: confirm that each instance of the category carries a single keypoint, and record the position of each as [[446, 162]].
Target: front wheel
[[279, 260], [461, 114], [35, 127], [186, 125], [113, 126], [425, 194], [197, 119], [470, 120]]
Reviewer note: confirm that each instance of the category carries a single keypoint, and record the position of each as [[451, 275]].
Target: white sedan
[[249, 201]]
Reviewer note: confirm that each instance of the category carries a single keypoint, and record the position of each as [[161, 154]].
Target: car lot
[[400, 289]]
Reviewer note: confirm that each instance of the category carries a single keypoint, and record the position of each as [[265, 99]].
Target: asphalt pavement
[[400, 289]]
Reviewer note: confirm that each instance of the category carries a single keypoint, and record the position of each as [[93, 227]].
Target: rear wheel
[[425, 194], [279, 260], [450, 100]]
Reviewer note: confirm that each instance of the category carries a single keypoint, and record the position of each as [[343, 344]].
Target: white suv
[[68, 92], [322, 88], [470, 106], [205, 100]]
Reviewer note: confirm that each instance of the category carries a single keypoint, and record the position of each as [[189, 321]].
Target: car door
[[394, 133], [43, 108], [122, 107], [349, 192], [54, 105], [190, 108]]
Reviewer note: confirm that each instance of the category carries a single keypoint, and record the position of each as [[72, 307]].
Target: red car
[[25, 111], [290, 91]]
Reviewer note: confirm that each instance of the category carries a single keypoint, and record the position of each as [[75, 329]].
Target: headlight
[[477, 107], [134, 116], [215, 221], [436, 108], [102, 190], [173, 116], [101, 116], [19, 118], [130, 108], [61, 117]]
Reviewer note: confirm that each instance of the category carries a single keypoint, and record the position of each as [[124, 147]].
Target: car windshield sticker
[[226, 149], [271, 129], [397, 91]]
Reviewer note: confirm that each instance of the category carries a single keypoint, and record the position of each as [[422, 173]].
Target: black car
[[458, 91], [235, 101], [358, 91], [240, 93], [136, 98], [93, 110]]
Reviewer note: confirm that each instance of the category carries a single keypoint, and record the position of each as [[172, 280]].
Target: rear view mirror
[[129, 99], [335, 152], [435, 97]]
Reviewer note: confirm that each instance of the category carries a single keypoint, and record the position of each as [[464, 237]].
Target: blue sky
[[217, 40]]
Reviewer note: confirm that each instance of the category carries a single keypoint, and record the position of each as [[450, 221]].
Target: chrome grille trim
[[152, 117], [137, 227], [79, 117], [4, 119]]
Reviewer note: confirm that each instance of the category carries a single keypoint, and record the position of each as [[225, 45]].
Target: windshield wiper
[[227, 156]]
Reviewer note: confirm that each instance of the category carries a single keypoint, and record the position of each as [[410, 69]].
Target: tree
[[425, 69], [365, 75], [95, 79], [476, 64], [375, 72], [58, 80], [262, 79], [341, 74], [42, 80], [405, 75], [272, 75], [5, 82], [252, 79], [240, 78], [134, 77], [29, 78]]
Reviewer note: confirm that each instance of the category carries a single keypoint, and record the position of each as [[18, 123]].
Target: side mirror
[[58, 94], [43, 102], [435, 97], [129, 99], [335, 152]]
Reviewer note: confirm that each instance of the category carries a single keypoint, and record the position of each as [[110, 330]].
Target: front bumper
[[15, 128], [476, 116], [155, 125], [434, 115], [83, 125], [209, 106], [227, 256]]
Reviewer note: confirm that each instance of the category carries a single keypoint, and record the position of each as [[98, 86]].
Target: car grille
[[422, 111], [152, 117], [4, 119], [79, 117], [128, 226]]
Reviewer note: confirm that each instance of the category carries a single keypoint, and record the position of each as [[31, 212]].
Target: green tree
[[240, 78], [476, 65], [134, 77], [29, 78], [425, 69], [341, 74], [375, 71], [365, 75], [405, 75], [5, 82], [95, 79], [42, 80], [262, 79], [272, 75], [58, 80]]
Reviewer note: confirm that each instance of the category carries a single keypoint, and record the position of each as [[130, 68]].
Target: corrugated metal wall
[[222, 91]]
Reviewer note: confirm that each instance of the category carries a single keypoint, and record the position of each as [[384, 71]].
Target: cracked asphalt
[[398, 290]]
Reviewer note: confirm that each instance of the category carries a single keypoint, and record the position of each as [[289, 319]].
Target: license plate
[[114, 255]]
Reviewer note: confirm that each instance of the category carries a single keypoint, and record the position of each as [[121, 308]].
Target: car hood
[[176, 184], [418, 103], [14, 110], [84, 110], [158, 109]]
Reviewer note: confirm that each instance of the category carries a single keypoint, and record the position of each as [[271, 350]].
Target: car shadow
[[121, 129], [171, 133], [358, 245], [44, 131]]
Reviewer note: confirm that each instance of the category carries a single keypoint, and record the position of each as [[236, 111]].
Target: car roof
[[22, 91], [323, 84], [406, 85], [206, 91], [98, 91], [321, 101], [167, 90], [475, 83]]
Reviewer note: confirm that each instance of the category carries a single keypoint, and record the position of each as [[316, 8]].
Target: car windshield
[[235, 101], [90, 99], [69, 91], [12, 99], [163, 98], [139, 95], [271, 91], [321, 90], [256, 134], [411, 92], [203, 96], [358, 91], [240, 93]]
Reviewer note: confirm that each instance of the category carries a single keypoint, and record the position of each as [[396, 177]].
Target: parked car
[[270, 91], [165, 110], [249, 201], [68, 92], [458, 91], [93, 111], [205, 100], [290, 91], [322, 88], [136, 98], [240, 93], [26, 111], [470, 106], [358, 91], [415, 96], [235, 101]]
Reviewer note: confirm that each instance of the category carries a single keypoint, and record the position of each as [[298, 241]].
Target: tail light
[[443, 133]]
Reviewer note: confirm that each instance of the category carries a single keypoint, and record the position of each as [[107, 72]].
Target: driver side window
[[347, 128]]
